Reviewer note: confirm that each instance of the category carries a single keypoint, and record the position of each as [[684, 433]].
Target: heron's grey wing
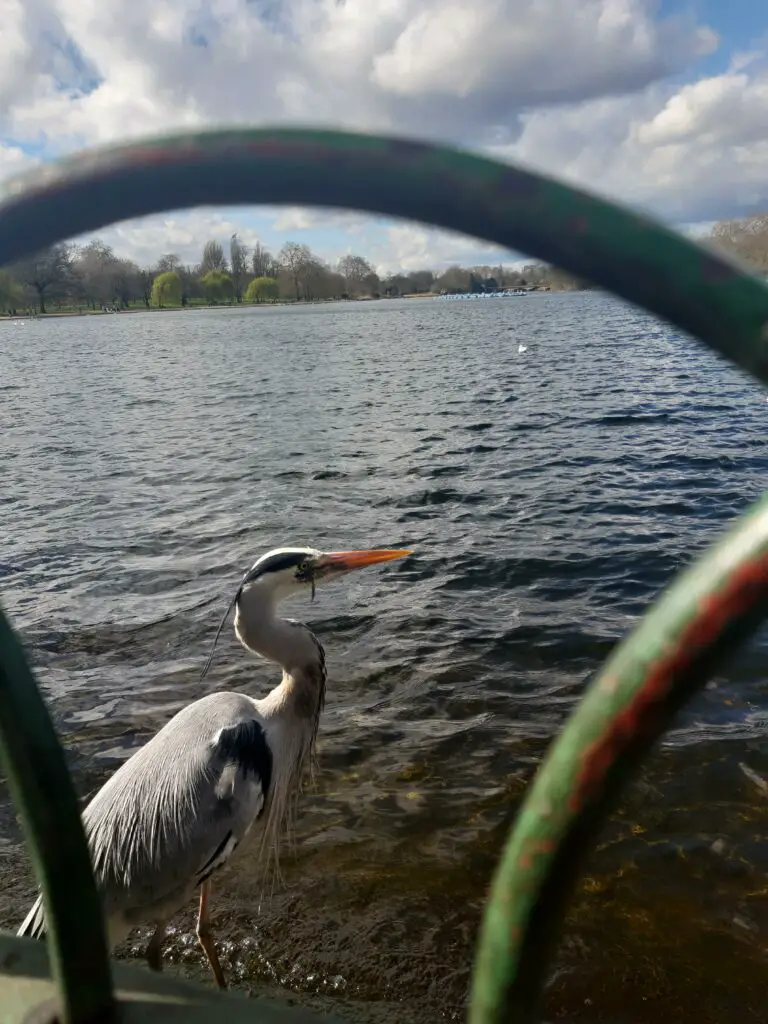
[[173, 814], [188, 825]]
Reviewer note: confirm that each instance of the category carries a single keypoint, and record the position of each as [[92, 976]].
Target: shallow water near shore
[[549, 496]]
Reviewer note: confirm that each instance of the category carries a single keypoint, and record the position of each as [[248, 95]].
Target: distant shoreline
[[192, 308], [67, 313]]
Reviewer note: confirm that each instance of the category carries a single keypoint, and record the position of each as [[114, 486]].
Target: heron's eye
[[304, 572]]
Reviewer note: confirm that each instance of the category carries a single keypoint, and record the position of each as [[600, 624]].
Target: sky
[[661, 104]]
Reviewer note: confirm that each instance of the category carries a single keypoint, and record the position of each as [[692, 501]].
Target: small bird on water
[[177, 809]]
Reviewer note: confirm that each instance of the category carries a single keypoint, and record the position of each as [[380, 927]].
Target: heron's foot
[[155, 949]]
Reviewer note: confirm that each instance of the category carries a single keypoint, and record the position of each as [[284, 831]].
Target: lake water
[[549, 495]]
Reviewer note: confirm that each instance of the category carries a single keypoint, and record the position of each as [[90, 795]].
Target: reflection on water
[[549, 496]]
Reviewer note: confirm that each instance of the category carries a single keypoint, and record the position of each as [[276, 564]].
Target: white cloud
[[722, 110], [13, 161], [614, 46], [414, 247], [183, 233], [418, 65], [604, 93], [303, 218], [296, 218], [691, 153]]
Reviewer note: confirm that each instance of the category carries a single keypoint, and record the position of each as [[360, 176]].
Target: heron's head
[[283, 572], [286, 571]]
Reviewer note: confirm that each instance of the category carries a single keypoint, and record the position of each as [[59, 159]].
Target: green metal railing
[[699, 621]]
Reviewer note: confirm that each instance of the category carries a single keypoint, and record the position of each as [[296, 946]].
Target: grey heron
[[176, 810]]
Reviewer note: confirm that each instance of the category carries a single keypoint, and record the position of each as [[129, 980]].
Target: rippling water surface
[[549, 495]]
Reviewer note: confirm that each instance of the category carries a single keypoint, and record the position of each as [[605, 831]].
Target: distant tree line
[[92, 277]]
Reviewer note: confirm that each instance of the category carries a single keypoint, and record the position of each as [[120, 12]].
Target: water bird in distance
[[173, 814]]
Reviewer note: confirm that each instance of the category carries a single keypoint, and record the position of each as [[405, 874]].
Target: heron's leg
[[154, 952], [205, 935]]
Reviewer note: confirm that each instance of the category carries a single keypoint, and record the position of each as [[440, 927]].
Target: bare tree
[[422, 280], [238, 261], [94, 267], [294, 257], [358, 274], [190, 284], [332, 285], [146, 276], [47, 273], [313, 276], [454, 279], [262, 262], [213, 258], [126, 283], [168, 264]]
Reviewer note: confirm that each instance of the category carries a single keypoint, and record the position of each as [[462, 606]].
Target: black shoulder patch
[[246, 746]]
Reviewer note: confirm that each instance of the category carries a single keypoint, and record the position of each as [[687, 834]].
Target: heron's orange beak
[[346, 560]]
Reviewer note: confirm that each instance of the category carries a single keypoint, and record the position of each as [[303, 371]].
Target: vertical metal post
[[43, 792]]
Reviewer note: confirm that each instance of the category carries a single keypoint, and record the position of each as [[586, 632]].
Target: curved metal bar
[[624, 252], [42, 789], [707, 612]]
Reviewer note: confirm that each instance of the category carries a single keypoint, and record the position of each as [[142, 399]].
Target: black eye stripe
[[276, 563]]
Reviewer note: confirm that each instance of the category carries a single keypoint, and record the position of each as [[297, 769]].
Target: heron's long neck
[[292, 709], [291, 645], [259, 628]]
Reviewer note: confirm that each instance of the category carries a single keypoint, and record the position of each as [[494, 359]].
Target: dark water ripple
[[549, 496]]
